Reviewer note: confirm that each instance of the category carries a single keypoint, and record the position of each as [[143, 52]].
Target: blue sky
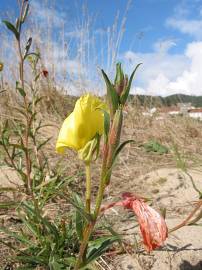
[[166, 35]]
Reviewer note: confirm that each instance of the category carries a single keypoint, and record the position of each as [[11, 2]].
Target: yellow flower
[[1, 66], [82, 124]]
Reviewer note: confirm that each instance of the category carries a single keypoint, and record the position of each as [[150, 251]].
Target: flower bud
[[114, 139], [1, 66], [121, 80], [115, 133]]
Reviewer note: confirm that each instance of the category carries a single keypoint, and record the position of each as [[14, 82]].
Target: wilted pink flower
[[152, 225]]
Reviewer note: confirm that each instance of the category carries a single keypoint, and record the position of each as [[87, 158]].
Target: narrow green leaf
[[17, 24], [5, 128], [22, 174], [33, 117], [43, 143], [120, 147], [97, 247], [17, 236], [19, 146], [30, 259], [38, 100], [12, 28], [125, 94], [28, 45], [109, 171], [8, 205], [31, 227], [26, 268], [50, 226], [97, 149], [115, 234], [79, 219], [85, 215], [111, 94], [106, 124], [20, 90], [40, 126]]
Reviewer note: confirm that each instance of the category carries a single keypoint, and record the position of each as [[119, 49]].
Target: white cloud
[[181, 10], [191, 80], [164, 46], [185, 26], [166, 74]]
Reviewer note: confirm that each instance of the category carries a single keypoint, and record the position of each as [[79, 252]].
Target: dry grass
[[134, 161]]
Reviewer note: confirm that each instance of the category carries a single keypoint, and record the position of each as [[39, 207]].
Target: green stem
[[109, 149], [26, 137], [88, 188], [89, 228], [87, 233], [99, 197]]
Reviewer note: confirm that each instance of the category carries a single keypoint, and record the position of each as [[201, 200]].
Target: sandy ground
[[8, 177], [171, 189]]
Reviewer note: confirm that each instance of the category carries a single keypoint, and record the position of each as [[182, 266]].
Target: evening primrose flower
[[1, 66], [82, 124], [152, 225]]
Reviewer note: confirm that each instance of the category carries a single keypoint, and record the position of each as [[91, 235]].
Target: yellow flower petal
[[82, 124]]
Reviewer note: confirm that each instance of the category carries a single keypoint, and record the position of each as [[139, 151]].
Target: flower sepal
[[91, 150], [127, 86]]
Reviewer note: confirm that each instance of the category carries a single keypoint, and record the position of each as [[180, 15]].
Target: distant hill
[[166, 101]]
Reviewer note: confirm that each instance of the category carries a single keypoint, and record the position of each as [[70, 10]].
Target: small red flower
[[45, 73], [152, 225]]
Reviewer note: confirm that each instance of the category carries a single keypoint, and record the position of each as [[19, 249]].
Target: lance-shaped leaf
[[98, 247], [113, 98], [125, 94], [12, 28], [120, 147], [17, 24], [82, 211], [28, 45], [106, 124], [79, 219], [43, 143], [117, 151], [20, 89]]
